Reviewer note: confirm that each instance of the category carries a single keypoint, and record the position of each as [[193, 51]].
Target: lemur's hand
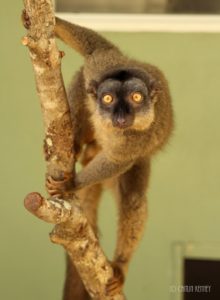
[[115, 284], [25, 19], [58, 188]]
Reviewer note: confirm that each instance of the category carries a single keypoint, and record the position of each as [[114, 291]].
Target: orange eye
[[137, 97], [107, 98]]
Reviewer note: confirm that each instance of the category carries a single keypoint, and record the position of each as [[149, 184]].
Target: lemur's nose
[[121, 120]]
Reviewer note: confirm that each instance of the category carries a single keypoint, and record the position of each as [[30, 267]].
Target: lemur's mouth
[[122, 125]]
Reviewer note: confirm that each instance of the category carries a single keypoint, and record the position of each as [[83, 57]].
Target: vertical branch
[[72, 231], [59, 135], [46, 60]]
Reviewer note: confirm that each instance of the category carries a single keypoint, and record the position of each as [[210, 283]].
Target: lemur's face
[[123, 101]]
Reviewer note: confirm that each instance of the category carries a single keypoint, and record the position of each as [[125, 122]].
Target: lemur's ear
[[152, 84], [154, 90], [92, 88]]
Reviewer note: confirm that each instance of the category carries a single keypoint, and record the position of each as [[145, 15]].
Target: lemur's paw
[[25, 19], [115, 284], [57, 188]]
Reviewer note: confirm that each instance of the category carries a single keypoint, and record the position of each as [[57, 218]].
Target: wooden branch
[[46, 60], [78, 238], [72, 230]]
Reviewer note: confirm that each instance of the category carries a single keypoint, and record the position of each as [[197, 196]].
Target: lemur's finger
[[25, 19], [113, 287]]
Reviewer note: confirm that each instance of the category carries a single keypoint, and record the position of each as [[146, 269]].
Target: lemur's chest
[[120, 146]]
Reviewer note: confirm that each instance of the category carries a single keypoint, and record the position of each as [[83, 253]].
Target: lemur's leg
[[131, 190]]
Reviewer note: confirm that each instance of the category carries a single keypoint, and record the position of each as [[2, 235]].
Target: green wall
[[184, 192]]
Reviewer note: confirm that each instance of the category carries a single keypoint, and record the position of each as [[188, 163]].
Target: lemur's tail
[[83, 40]]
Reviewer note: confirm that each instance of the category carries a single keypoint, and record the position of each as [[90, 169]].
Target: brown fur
[[122, 155]]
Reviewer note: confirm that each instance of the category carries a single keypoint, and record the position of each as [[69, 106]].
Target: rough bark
[[72, 229]]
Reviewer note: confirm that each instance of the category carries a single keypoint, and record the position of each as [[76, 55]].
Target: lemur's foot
[[115, 284], [57, 188], [25, 19]]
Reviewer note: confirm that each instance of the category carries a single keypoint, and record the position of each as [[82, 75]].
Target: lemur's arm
[[99, 169], [83, 40]]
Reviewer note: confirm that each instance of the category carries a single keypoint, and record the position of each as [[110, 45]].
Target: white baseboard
[[145, 23]]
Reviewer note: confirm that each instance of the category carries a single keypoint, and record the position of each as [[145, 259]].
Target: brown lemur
[[122, 114]]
